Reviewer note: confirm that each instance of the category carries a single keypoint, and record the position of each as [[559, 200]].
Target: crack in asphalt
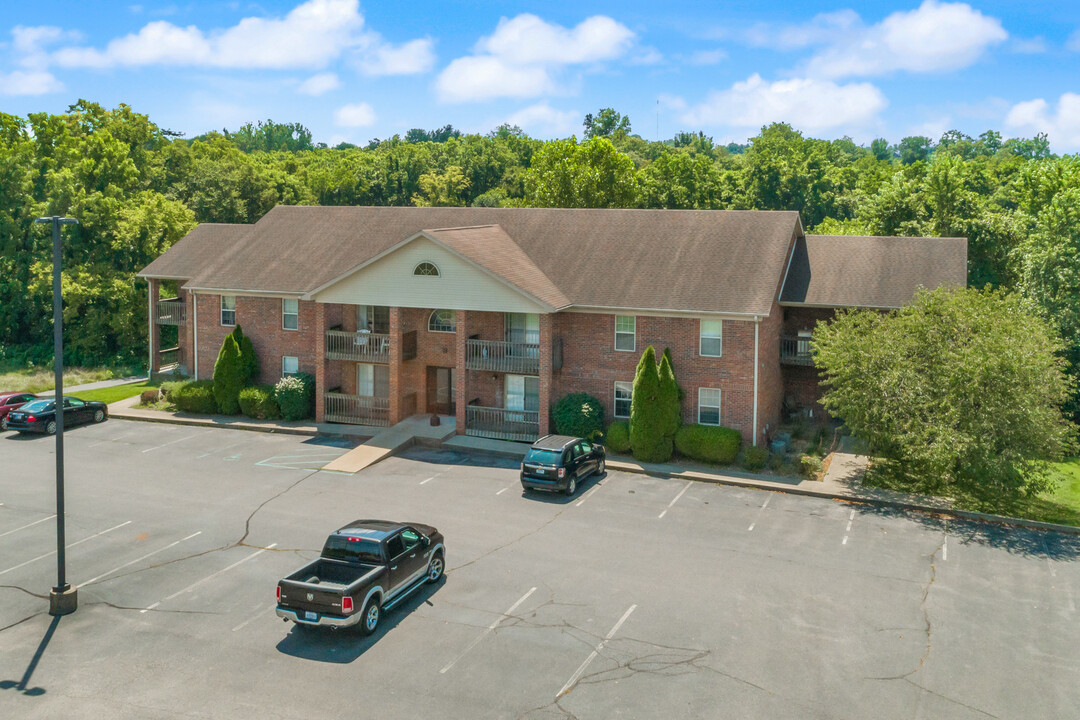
[[28, 592], [505, 545]]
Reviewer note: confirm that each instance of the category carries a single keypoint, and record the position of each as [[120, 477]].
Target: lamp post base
[[63, 600]]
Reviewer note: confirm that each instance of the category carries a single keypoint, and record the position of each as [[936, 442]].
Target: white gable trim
[[313, 294]]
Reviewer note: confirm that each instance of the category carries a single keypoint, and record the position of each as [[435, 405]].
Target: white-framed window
[[290, 314], [228, 310], [708, 406], [625, 333], [289, 365], [442, 321], [711, 343], [427, 269], [624, 393]]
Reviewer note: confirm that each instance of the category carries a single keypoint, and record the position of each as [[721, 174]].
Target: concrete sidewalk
[[95, 385], [388, 441]]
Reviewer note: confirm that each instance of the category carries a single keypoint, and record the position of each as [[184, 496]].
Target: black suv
[[557, 462]]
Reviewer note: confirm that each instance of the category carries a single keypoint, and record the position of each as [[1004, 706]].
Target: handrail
[[519, 358], [502, 424], [796, 351], [356, 409], [360, 346]]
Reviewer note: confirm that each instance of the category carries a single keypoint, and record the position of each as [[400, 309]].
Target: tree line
[[136, 188]]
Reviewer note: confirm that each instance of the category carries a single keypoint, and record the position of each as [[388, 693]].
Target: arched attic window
[[427, 269], [442, 321]]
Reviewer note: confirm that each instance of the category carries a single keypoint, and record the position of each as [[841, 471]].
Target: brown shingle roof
[[884, 272], [492, 249], [692, 260], [197, 250]]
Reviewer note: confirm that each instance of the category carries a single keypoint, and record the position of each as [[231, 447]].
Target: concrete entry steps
[[412, 430]]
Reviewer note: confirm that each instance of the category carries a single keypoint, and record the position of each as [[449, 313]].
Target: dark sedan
[[11, 400], [40, 415]]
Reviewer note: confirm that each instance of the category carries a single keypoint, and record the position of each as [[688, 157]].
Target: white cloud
[[411, 58], [807, 103], [1028, 46], [29, 82], [707, 57], [674, 102], [319, 84], [543, 120], [935, 37], [485, 77], [822, 29], [354, 115], [1061, 125], [1073, 43], [527, 39], [524, 54]]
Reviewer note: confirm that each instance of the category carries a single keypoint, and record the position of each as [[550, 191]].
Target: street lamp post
[[64, 598]]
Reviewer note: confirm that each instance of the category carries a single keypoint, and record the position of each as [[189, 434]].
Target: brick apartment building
[[490, 315]]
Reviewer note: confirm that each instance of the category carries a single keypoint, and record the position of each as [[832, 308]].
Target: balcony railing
[[168, 357], [796, 351], [357, 409], [359, 346], [171, 312], [519, 358], [501, 424]]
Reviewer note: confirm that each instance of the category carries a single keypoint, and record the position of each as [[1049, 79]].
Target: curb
[[858, 499], [194, 423]]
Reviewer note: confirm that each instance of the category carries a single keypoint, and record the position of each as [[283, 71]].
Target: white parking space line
[[197, 583], [289, 462], [1049, 562], [77, 542], [589, 494], [490, 628], [258, 608], [171, 442], [502, 491], [763, 506], [851, 518], [592, 656], [227, 447], [675, 499], [104, 574], [36, 522], [424, 482]]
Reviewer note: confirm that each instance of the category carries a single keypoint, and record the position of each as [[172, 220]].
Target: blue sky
[[354, 71]]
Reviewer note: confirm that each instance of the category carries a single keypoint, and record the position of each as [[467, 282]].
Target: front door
[[407, 562], [441, 390]]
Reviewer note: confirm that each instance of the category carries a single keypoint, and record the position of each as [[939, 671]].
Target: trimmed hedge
[[195, 397], [755, 458], [168, 388], [579, 415], [149, 395], [709, 443], [258, 402], [295, 395], [618, 436]]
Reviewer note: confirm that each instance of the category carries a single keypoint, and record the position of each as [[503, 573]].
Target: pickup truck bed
[[331, 572]]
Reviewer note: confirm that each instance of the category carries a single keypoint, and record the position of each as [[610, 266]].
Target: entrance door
[[441, 390]]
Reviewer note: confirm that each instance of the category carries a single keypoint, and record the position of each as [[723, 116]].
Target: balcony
[[518, 358], [168, 358], [359, 346], [501, 424], [357, 409], [796, 351], [171, 312]]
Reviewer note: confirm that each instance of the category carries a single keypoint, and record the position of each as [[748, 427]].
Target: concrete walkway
[[94, 385], [412, 430]]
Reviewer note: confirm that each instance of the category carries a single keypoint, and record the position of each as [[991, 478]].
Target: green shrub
[[648, 417], [148, 396], [195, 397], [168, 388], [228, 377], [670, 396], [579, 415], [618, 436], [249, 361], [708, 443], [809, 467], [294, 395], [259, 402], [776, 462], [754, 458]]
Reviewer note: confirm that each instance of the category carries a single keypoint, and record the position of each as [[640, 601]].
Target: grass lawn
[[1061, 505], [118, 392], [41, 378]]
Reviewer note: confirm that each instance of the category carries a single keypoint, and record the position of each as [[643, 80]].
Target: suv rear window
[[352, 549], [543, 457]]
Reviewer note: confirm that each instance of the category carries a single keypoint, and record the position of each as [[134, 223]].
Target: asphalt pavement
[[640, 597]]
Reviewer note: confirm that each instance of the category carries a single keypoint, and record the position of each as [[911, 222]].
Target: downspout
[[150, 318], [757, 326], [195, 312]]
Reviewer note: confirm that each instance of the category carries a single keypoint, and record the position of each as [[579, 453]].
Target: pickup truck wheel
[[571, 487], [370, 621], [435, 569]]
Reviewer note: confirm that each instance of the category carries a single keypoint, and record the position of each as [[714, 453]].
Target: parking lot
[[640, 597]]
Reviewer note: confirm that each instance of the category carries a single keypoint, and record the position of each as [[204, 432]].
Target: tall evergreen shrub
[[249, 361], [228, 377], [648, 418], [670, 400]]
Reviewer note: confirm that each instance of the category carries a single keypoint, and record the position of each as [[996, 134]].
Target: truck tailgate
[[322, 598]]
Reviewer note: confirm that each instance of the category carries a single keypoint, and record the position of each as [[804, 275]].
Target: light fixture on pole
[[64, 598]]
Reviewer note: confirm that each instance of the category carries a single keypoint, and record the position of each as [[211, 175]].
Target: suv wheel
[[600, 468], [571, 487]]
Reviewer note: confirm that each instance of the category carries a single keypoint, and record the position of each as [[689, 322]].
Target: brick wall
[[261, 320], [591, 364], [770, 378], [802, 388]]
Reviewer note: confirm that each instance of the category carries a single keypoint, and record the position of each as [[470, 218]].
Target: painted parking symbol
[[298, 462]]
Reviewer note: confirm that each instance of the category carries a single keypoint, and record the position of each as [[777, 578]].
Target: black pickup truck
[[366, 567]]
